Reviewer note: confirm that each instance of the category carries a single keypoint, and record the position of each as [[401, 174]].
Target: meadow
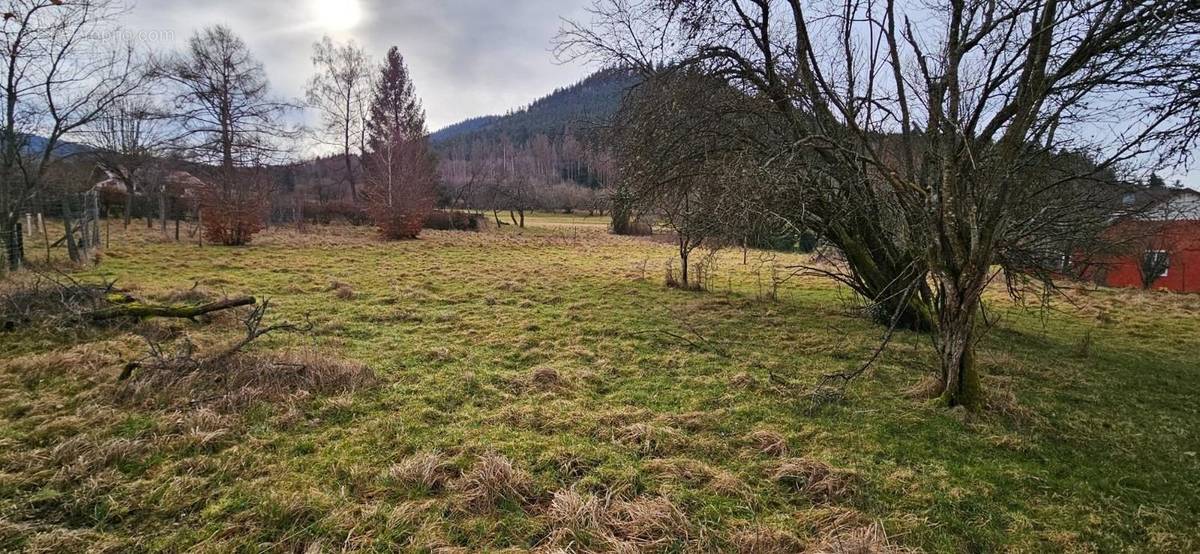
[[541, 389]]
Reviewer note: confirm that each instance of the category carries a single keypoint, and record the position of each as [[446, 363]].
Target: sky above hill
[[467, 57]]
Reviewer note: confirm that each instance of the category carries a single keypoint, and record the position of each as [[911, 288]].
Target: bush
[[442, 220], [401, 188], [325, 213], [234, 208]]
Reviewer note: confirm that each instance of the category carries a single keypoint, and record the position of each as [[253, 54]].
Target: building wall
[[1182, 240]]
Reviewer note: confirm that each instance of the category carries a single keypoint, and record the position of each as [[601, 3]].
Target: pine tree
[[400, 168]]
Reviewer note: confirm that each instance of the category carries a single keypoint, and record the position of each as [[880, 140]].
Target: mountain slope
[[575, 109]]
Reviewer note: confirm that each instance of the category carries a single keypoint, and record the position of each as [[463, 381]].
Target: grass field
[[541, 389]]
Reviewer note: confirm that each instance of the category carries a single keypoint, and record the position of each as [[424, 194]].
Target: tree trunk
[[13, 248], [69, 225], [956, 349], [683, 258], [128, 206], [162, 210], [883, 273], [142, 310]]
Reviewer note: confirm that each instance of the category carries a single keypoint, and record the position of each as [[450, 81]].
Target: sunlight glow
[[337, 15]]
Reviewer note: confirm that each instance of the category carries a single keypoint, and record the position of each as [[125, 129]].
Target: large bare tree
[[61, 71], [339, 90], [228, 121], [936, 124]]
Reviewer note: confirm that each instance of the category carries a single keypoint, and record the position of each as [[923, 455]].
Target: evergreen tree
[[400, 168]]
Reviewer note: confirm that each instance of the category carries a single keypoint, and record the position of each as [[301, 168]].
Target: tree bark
[[961, 384], [142, 310], [69, 225], [128, 205]]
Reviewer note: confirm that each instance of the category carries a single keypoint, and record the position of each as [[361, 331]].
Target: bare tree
[[229, 121], [670, 167], [130, 137], [938, 136], [61, 73], [339, 91]]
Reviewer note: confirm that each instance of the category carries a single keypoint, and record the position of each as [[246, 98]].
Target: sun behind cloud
[[336, 15]]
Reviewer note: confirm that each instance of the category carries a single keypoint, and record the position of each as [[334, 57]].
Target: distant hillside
[[35, 146], [575, 109]]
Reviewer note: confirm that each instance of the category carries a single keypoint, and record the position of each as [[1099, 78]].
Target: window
[[1158, 260]]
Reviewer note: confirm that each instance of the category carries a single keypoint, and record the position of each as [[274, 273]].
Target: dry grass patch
[[491, 480], [769, 443], [648, 438], [591, 523], [760, 539], [245, 379], [645, 523], [430, 470], [871, 539], [681, 469], [816, 479], [89, 361]]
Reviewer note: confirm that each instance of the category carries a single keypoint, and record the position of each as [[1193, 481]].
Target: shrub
[[401, 190], [325, 213], [234, 208], [442, 220]]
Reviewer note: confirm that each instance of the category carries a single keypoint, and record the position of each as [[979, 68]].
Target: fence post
[[72, 247], [93, 199]]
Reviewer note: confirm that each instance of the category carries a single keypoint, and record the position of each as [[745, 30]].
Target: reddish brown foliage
[[234, 208], [401, 188]]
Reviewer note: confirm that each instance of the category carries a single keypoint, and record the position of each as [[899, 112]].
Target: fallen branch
[[142, 310], [183, 361]]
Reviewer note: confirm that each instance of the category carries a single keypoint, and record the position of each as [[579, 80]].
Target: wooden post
[[29, 224], [42, 223], [72, 247], [95, 216]]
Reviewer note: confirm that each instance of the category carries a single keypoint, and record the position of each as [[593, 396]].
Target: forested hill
[[576, 108]]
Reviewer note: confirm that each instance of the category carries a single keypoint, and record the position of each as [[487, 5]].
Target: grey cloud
[[468, 57]]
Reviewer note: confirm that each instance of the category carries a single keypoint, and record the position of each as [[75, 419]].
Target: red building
[[1165, 245]]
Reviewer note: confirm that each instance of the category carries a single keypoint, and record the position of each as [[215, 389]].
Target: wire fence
[[79, 217]]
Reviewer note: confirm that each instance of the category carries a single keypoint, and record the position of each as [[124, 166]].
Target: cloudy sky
[[467, 57]]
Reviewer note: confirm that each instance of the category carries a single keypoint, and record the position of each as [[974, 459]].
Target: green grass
[[1088, 445]]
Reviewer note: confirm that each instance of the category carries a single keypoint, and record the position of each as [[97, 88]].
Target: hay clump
[[613, 524], [816, 479], [243, 379], [430, 470], [490, 481], [760, 539], [769, 443], [871, 539]]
